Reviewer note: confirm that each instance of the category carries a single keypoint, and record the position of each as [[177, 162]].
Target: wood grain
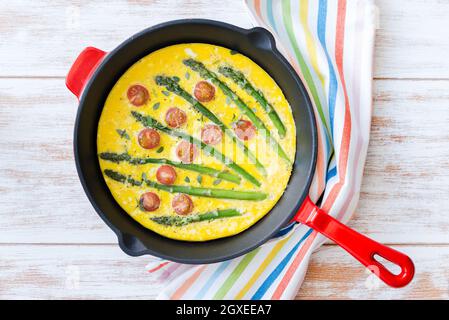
[[404, 187], [73, 272], [333, 274], [42, 38], [407, 169], [411, 39], [104, 272], [42, 197], [52, 243]]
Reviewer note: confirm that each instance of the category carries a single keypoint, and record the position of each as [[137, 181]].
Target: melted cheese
[[117, 115]]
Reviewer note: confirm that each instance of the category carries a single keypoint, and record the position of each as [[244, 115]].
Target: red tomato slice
[[182, 204], [204, 91], [149, 201], [149, 138], [244, 129], [175, 117], [186, 151], [166, 174], [138, 95], [211, 134]]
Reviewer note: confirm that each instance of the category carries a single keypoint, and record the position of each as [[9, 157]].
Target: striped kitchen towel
[[330, 45]]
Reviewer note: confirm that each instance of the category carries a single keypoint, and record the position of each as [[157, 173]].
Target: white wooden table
[[52, 243]]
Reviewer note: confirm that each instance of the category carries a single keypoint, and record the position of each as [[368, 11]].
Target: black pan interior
[[258, 44]]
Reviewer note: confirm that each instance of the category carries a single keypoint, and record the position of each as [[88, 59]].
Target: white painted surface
[[52, 243]]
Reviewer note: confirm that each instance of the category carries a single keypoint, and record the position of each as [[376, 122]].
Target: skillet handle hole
[[389, 265]]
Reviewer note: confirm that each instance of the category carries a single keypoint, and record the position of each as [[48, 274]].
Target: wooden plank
[[406, 176], [42, 199], [412, 41], [73, 272], [404, 188], [68, 28], [333, 274], [46, 44], [103, 272]]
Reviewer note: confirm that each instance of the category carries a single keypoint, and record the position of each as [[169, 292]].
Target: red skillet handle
[[82, 69], [359, 246]]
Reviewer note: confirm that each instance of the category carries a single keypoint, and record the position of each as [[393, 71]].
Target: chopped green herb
[[199, 179], [176, 78], [165, 93], [187, 179], [123, 134], [161, 148], [217, 182], [156, 105], [228, 100]]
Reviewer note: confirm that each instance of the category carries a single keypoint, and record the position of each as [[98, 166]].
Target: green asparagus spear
[[114, 175], [120, 157], [194, 191], [115, 157], [172, 85], [243, 83], [179, 221], [148, 121], [207, 74]]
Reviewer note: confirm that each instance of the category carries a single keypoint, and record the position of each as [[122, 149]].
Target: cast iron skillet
[[94, 74]]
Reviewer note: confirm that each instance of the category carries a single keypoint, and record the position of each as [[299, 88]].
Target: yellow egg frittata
[[207, 187]]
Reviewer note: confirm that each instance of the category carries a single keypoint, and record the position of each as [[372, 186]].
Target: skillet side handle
[[359, 246], [82, 69]]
